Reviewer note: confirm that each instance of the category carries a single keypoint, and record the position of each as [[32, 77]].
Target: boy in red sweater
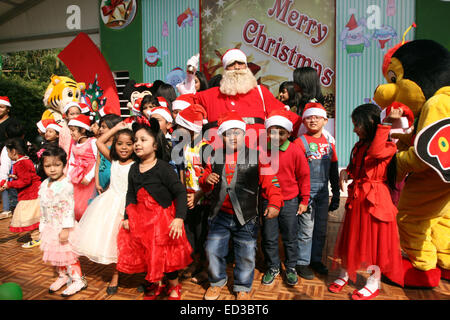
[[234, 176], [293, 175]]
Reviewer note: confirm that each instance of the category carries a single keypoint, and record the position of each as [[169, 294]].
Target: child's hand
[[84, 182], [271, 213], [302, 208], [334, 204], [213, 178], [125, 225], [343, 177], [121, 125], [64, 235], [99, 189], [190, 200], [176, 228], [12, 176]]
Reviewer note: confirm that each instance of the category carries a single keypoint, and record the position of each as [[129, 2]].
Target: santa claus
[[240, 92]]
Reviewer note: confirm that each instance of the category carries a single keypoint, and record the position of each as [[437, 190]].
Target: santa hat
[[41, 126], [352, 24], [82, 106], [81, 121], [162, 102], [192, 118], [137, 106], [407, 119], [233, 55], [55, 126], [230, 120], [5, 101], [280, 118], [314, 109], [183, 101], [164, 112]]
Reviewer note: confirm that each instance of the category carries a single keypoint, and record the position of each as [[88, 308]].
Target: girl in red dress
[[369, 235], [153, 239]]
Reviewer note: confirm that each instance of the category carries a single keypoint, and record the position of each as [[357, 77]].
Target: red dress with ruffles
[[369, 234], [147, 247]]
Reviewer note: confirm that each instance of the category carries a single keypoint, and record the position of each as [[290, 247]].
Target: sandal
[[335, 287], [157, 289], [177, 288], [356, 295], [31, 244]]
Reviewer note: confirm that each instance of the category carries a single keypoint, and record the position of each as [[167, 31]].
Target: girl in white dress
[[96, 236]]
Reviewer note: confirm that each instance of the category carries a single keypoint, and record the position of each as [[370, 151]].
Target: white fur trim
[[164, 114], [180, 105], [164, 104], [404, 122], [4, 102], [80, 124], [187, 124], [101, 112], [231, 124], [314, 112], [40, 126], [279, 121], [54, 127], [233, 55]]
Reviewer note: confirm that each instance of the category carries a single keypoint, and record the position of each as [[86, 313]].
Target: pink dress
[[57, 205], [82, 165]]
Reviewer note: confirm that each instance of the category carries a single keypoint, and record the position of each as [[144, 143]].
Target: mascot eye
[[70, 94], [77, 95], [392, 76]]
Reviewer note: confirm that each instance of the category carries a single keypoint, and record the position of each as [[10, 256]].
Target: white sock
[[372, 284], [343, 275]]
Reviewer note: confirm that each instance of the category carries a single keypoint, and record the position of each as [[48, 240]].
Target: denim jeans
[[5, 200], [286, 223], [312, 226], [221, 228]]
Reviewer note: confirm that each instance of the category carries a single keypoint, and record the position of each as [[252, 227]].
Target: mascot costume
[[418, 76]]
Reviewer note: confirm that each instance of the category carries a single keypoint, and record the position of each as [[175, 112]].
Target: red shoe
[[336, 288], [177, 288], [415, 278], [359, 296], [445, 274], [157, 290]]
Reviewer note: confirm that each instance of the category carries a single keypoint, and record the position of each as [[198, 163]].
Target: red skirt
[[364, 241], [147, 247]]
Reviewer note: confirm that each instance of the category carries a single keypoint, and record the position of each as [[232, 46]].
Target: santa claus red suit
[[238, 92]]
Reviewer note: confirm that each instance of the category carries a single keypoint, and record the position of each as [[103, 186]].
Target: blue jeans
[[312, 226], [221, 228], [286, 222]]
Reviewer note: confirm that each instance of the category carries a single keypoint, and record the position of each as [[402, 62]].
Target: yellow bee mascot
[[418, 75]]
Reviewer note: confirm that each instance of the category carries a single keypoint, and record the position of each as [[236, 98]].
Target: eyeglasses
[[236, 133]]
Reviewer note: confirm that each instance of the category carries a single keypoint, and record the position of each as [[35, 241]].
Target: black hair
[[367, 117], [215, 81], [110, 120], [309, 83], [167, 91], [163, 149], [14, 129], [294, 98], [202, 79], [113, 152], [23, 148], [148, 99], [87, 133], [52, 150]]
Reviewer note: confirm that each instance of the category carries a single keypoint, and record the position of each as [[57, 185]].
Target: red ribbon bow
[[107, 10]]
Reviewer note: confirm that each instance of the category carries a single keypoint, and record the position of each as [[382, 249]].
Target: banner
[[278, 36]]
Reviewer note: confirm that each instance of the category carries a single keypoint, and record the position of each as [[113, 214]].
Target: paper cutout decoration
[[432, 145], [118, 14], [152, 57]]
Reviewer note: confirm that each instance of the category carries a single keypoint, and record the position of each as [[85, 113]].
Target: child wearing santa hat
[[323, 164], [293, 174], [50, 130], [82, 162], [233, 176], [194, 152]]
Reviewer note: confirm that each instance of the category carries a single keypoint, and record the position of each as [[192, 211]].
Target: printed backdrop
[[276, 35]]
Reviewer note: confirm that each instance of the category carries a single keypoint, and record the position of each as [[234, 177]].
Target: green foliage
[[24, 78]]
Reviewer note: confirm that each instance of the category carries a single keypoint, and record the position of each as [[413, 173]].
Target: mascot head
[[61, 91], [134, 92], [414, 71]]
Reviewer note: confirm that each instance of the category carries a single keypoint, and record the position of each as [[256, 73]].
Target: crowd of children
[[114, 192]]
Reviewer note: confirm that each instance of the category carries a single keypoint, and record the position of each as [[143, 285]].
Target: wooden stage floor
[[25, 267]]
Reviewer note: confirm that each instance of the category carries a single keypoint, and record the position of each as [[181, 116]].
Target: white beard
[[237, 82]]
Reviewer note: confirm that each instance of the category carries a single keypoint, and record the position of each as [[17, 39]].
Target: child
[[287, 95], [307, 84], [233, 176], [51, 138], [323, 165], [192, 119], [103, 165], [26, 181], [152, 239], [181, 103], [71, 111], [369, 234], [96, 237], [293, 175], [95, 128], [82, 160], [147, 104], [165, 120], [57, 223]]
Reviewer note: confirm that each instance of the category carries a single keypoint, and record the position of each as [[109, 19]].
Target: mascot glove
[[334, 204]]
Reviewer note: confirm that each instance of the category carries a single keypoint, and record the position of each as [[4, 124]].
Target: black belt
[[247, 120]]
